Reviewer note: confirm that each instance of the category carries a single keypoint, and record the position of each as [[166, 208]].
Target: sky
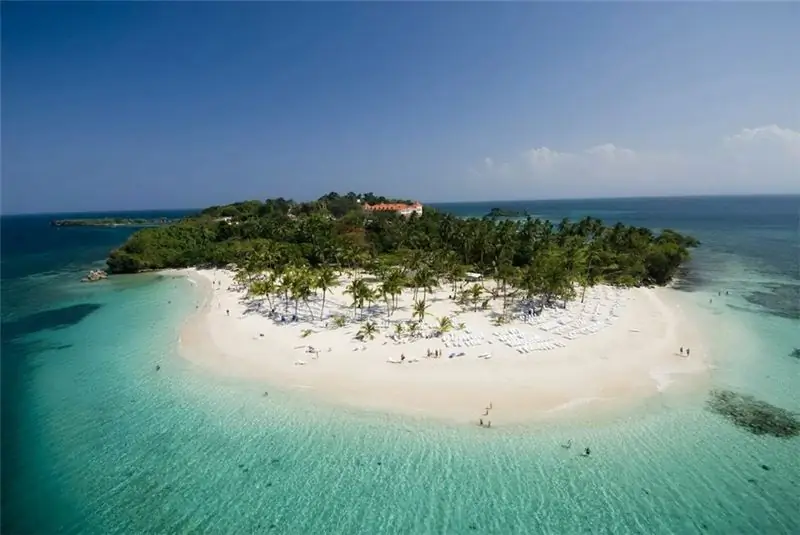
[[123, 106]]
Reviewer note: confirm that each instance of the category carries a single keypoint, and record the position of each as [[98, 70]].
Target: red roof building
[[402, 209]]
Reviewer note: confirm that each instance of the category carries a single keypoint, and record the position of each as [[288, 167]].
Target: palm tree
[[325, 280], [420, 310], [396, 282], [398, 329], [475, 295], [367, 331], [263, 288], [413, 329], [391, 285], [423, 279], [285, 287], [301, 289], [369, 295], [454, 274], [359, 292], [354, 289], [445, 324]]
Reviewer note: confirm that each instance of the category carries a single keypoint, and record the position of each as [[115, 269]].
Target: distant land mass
[[505, 212], [112, 222]]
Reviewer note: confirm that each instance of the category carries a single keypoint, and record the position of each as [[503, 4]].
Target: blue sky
[[111, 105]]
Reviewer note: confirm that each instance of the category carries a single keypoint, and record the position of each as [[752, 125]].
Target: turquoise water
[[98, 439]]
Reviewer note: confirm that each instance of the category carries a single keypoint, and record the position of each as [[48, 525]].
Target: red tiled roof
[[387, 207]]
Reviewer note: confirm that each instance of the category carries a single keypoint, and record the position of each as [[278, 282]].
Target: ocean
[[95, 440]]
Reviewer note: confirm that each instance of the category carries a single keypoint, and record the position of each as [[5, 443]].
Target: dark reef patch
[[756, 416], [46, 320], [782, 300]]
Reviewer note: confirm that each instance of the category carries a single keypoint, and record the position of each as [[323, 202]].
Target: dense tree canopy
[[532, 255]]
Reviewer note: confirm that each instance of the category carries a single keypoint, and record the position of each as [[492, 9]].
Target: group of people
[[586, 451], [688, 351], [486, 413]]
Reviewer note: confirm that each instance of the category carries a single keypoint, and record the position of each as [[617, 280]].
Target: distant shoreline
[[109, 222]]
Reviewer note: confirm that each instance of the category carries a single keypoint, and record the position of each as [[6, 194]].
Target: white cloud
[[767, 134], [762, 159]]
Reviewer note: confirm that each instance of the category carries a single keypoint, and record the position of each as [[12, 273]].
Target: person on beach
[[489, 423], [481, 422], [681, 350], [587, 452], [486, 412], [687, 351], [228, 312], [402, 357]]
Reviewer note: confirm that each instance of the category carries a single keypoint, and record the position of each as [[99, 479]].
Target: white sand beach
[[617, 347]]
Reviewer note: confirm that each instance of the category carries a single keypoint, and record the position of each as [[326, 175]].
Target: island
[[112, 222], [496, 213], [526, 317]]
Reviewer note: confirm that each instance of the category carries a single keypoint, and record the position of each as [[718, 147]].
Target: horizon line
[[546, 199]]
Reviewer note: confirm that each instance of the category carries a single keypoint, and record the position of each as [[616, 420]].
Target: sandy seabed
[[616, 348]]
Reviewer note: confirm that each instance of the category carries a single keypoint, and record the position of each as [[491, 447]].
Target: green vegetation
[[111, 222], [757, 417], [289, 251]]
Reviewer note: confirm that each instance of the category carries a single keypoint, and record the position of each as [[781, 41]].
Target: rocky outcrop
[[95, 275]]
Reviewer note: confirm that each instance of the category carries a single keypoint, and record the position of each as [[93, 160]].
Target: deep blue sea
[[94, 440]]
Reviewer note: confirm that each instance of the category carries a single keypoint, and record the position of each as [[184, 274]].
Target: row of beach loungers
[[519, 341], [465, 339]]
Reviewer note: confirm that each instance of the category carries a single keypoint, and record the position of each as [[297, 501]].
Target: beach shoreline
[[633, 358]]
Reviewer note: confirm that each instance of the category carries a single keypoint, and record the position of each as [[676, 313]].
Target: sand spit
[[616, 347]]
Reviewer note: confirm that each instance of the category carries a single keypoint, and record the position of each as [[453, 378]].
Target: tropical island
[[350, 231], [112, 222], [331, 293]]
